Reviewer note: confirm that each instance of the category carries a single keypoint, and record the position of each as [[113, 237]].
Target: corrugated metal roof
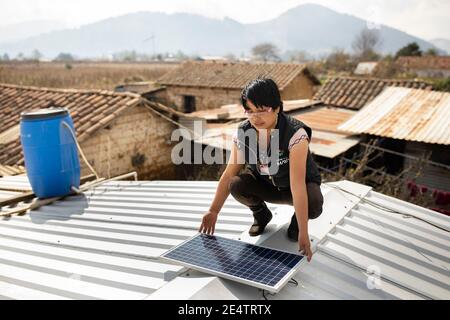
[[104, 244], [407, 114], [236, 111], [365, 68], [324, 118], [325, 144], [15, 183], [366, 253]]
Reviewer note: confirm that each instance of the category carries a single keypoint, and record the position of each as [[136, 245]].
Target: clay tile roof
[[425, 62], [11, 170], [88, 109], [229, 75], [354, 93]]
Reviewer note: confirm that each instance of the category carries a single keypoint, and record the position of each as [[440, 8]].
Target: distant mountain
[[312, 28], [443, 44], [19, 31]]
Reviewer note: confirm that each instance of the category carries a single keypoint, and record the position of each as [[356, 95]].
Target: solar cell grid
[[236, 260]]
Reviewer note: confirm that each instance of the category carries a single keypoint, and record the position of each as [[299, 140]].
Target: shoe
[[292, 231], [262, 218]]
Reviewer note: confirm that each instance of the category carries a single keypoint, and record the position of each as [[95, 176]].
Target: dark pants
[[253, 192]]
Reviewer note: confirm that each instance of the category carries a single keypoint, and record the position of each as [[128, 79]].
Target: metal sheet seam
[[329, 253]]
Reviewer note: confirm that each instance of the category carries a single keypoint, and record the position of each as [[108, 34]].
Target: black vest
[[287, 126]]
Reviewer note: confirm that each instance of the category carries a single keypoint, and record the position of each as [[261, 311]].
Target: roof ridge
[[71, 90], [377, 79]]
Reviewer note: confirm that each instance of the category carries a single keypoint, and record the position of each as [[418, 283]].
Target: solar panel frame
[[271, 288]]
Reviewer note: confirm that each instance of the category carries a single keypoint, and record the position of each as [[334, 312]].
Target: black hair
[[262, 92]]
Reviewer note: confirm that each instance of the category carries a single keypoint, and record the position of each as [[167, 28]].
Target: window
[[189, 104]]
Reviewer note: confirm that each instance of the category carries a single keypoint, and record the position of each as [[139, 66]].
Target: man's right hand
[[208, 222]]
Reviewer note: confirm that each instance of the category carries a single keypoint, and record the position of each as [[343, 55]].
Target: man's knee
[[235, 185], [239, 185], [315, 212], [315, 202]]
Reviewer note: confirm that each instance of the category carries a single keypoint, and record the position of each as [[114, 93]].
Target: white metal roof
[[104, 245], [361, 252]]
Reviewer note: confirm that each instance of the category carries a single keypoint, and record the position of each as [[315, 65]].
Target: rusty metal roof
[[324, 118], [323, 143], [407, 114], [236, 111]]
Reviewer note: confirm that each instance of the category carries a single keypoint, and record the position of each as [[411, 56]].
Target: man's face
[[261, 118]]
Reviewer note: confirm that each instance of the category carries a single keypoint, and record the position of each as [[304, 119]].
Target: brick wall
[[299, 88], [205, 98], [138, 134]]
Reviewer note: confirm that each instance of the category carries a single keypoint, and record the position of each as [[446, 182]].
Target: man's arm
[[235, 164], [297, 170]]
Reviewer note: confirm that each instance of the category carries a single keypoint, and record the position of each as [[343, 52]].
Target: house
[[355, 92], [412, 122], [426, 66], [118, 132], [365, 68], [196, 86], [105, 244]]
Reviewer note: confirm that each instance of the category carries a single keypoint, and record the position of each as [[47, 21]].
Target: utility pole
[[152, 37]]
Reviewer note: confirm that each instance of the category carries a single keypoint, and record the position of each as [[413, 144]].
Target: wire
[[294, 282], [390, 210], [80, 150], [264, 292]]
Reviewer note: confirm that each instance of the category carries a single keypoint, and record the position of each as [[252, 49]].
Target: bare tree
[[36, 55], [299, 56], [338, 60], [366, 43], [266, 51]]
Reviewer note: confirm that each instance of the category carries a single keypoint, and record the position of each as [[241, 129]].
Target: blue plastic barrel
[[51, 156]]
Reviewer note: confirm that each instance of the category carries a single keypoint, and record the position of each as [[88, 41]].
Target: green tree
[[63, 56], [410, 50], [442, 85], [431, 52]]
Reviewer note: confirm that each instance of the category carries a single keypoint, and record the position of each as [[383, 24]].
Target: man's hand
[[305, 245], [208, 222]]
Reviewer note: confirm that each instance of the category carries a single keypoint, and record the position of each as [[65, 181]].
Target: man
[[290, 177]]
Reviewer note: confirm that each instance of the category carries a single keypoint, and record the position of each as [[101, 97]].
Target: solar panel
[[254, 265]]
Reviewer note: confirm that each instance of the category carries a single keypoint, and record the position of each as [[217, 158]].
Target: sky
[[428, 19]]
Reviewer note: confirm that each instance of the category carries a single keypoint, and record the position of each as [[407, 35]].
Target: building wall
[[300, 88], [139, 135], [205, 98], [210, 98], [432, 73]]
